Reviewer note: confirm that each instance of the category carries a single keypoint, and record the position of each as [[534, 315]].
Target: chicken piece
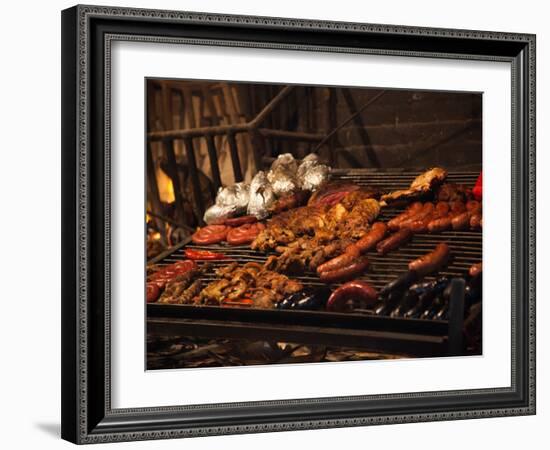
[[263, 298], [213, 294], [422, 184]]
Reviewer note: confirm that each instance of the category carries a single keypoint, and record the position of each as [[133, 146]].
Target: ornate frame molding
[[87, 432]]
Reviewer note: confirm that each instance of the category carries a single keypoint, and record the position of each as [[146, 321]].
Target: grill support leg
[[456, 317]]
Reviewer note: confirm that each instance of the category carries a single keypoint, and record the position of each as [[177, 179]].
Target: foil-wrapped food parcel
[[285, 177]]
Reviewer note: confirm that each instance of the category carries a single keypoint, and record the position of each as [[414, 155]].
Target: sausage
[[245, 234], [412, 210], [475, 269], [376, 233], [461, 221], [345, 273], [427, 210], [432, 261], [394, 241], [210, 234], [358, 292], [457, 207], [345, 259], [441, 224], [473, 206], [237, 221], [420, 226], [442, 209], [475, 221], [153, 292]]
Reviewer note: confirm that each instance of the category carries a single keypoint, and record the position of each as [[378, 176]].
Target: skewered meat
[[422, 184]]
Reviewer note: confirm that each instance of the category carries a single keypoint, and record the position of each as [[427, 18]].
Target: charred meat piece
[[250, 284], [177, 291], [451, 192], [290, 201], [331, 193], [422, 184]]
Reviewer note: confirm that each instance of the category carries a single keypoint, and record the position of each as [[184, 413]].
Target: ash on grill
[[194, 352]]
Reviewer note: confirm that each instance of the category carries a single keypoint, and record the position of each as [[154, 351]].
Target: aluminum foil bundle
[[282, 175], [261, 196], [286, 161], [307, 163], [315, 177], [230, 201], [311, 174]]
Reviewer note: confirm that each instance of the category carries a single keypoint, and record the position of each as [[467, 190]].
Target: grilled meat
[[306, 237], [451, 192], [183, 288], [250, 281], [422, 184]]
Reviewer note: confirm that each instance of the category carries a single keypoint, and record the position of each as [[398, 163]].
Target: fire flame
[[166, 188]]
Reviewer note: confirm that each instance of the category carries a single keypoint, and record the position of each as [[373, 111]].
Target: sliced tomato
[[210, 234], [244, 234]]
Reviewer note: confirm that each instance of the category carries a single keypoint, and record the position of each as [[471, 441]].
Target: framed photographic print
[[281, 224]]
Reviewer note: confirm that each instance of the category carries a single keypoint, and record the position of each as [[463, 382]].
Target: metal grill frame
[[414, 337]]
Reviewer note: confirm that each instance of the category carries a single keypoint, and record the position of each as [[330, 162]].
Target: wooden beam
[[361, 128]]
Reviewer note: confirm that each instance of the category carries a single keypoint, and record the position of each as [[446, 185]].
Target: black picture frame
[[87, 415]]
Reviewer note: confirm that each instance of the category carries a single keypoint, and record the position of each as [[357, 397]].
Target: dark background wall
[[398, 129]]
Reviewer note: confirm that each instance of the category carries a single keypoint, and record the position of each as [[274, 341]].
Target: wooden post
[[174, 174], [198, 203], [331, 125], [235, 161], [361, 128], [213, 156], [153, 193]]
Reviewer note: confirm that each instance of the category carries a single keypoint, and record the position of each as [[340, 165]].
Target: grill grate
[[466, 246]]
